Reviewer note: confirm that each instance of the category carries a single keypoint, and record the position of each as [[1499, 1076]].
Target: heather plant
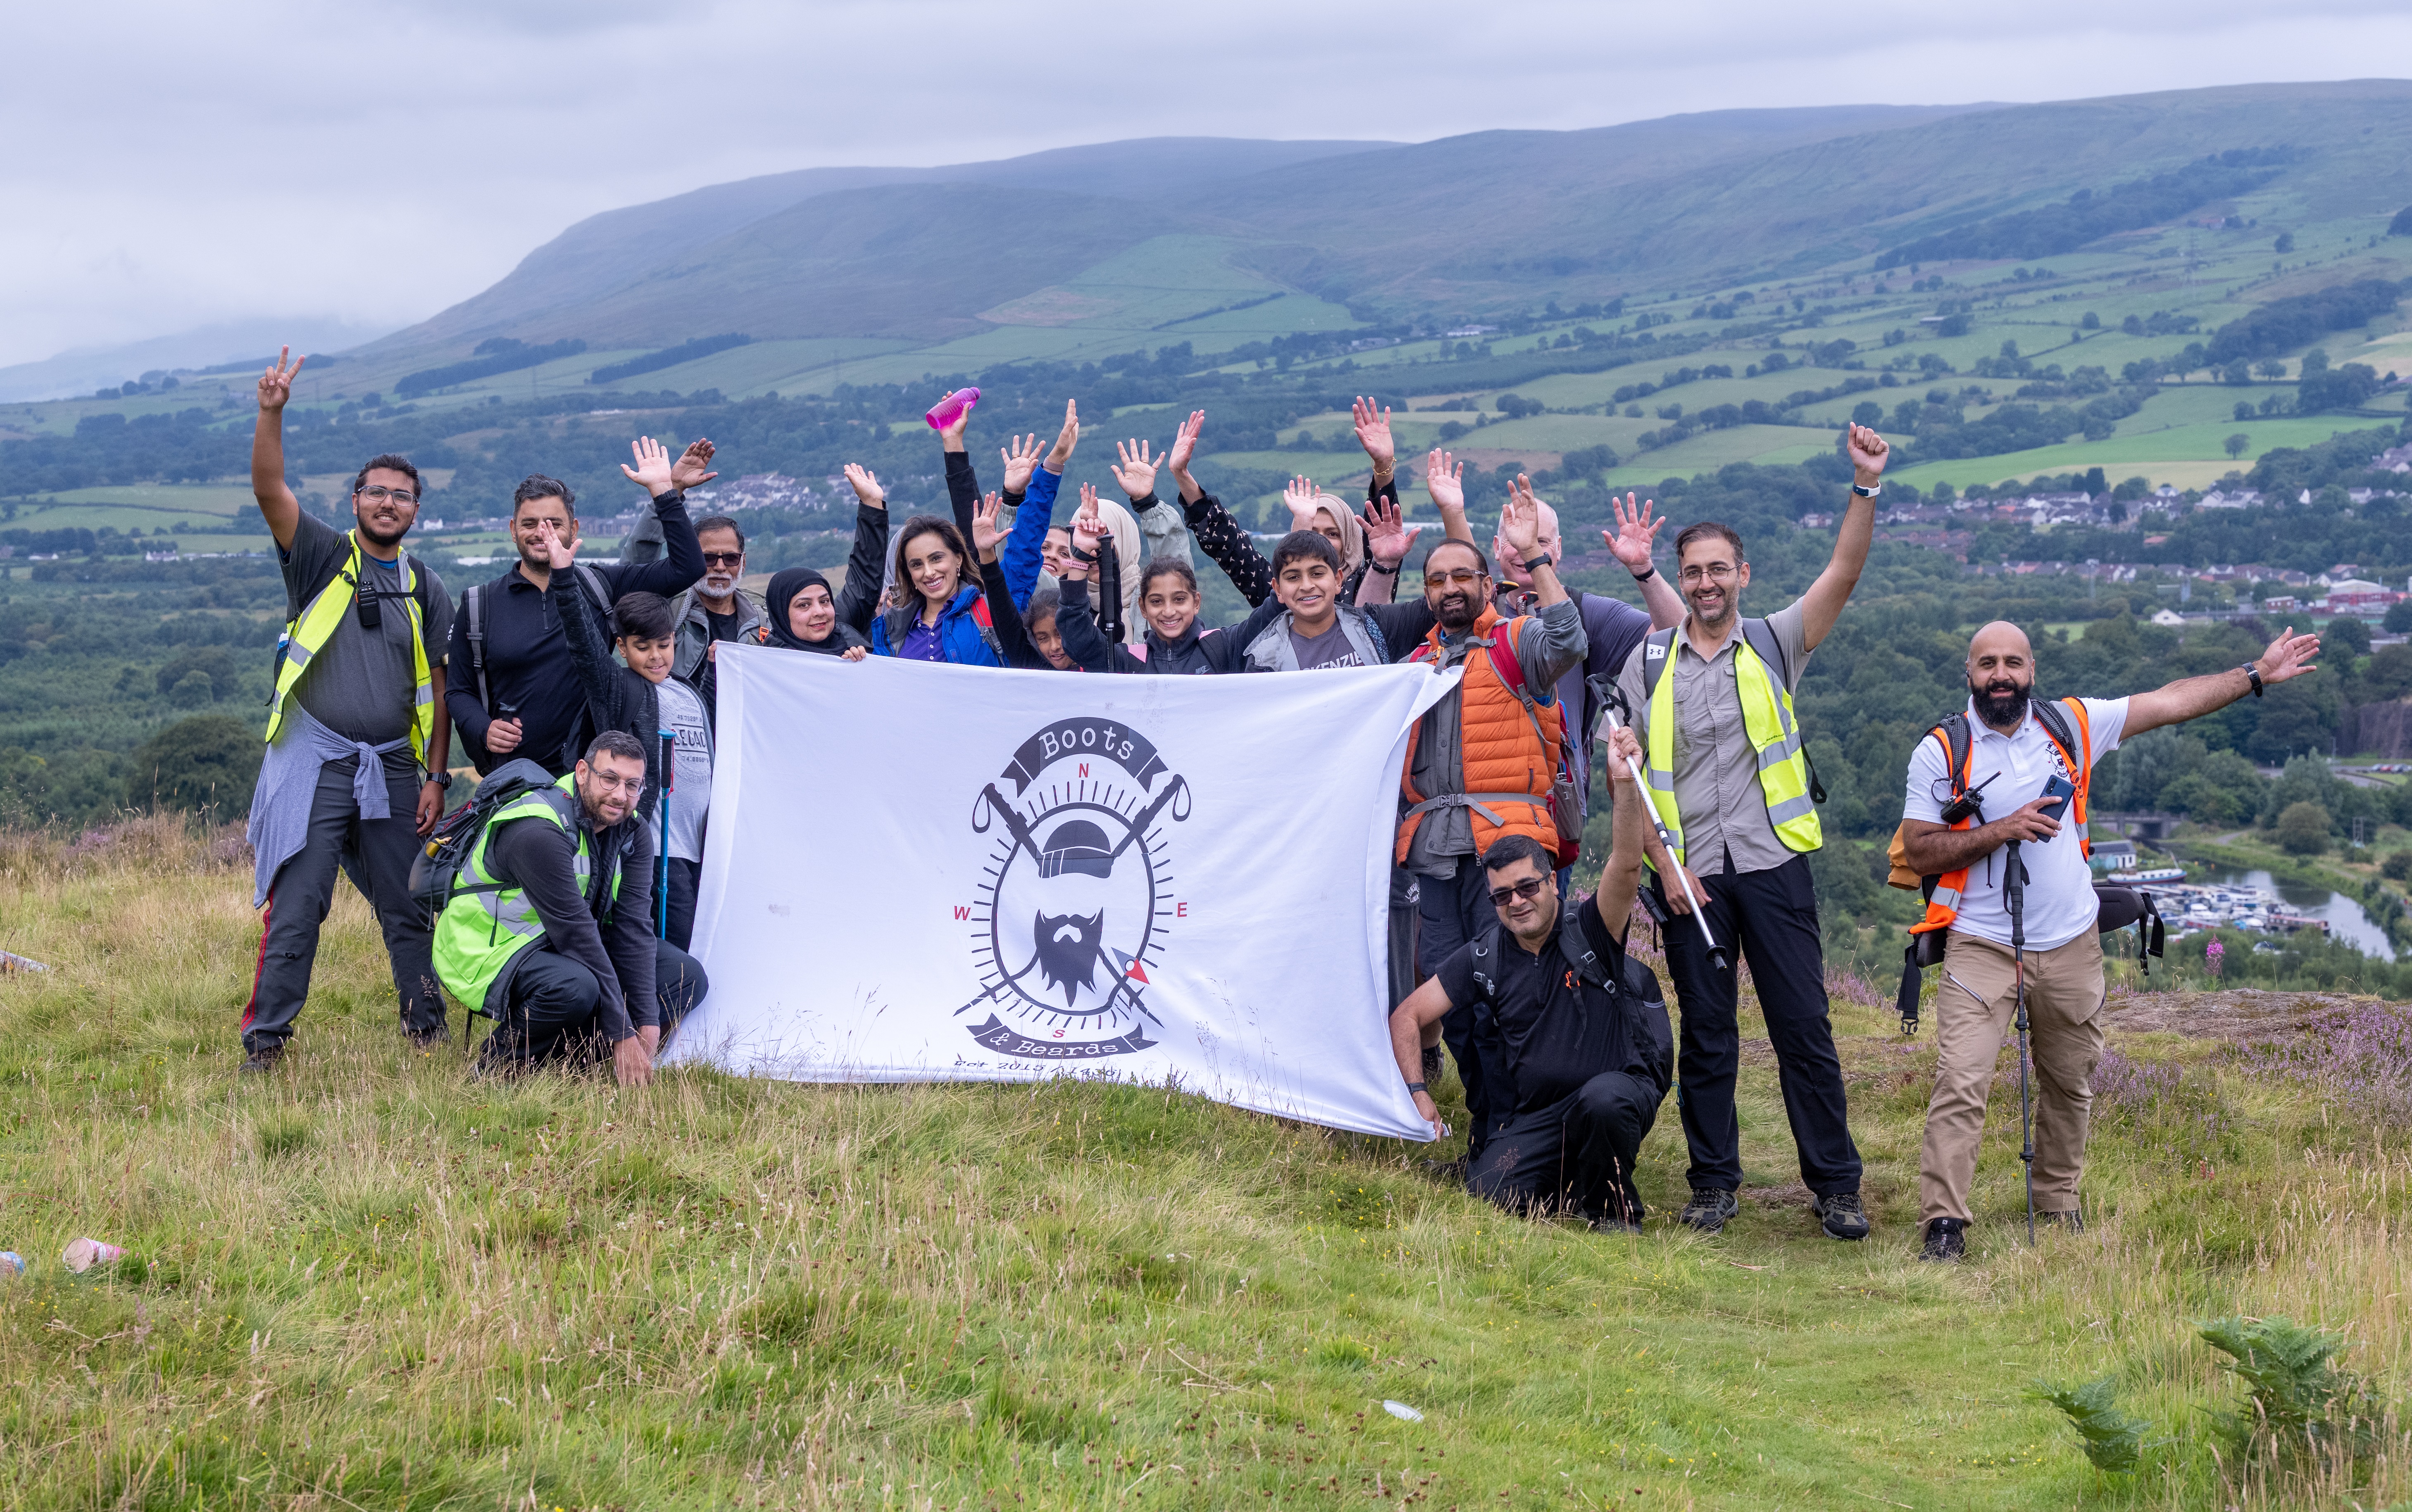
[[2359, 1061]]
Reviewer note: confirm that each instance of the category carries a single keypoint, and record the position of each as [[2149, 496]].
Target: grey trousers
[[377, 853]]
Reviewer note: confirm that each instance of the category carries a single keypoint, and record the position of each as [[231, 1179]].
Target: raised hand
[[1373, 434], [1388, 539], [1020, 454], [276, 383], [1635, 533], [1868, 453], [2289, 655], [986, 537], [1135, 469], [1066, 438], [1519, 518], [1089, 535], [1445, 480], [694, 467], [1185, 445], [1300, 496], [865, 484], [653, 469], [560, 553], [950, 436]]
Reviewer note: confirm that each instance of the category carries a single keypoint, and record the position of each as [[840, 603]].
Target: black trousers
[[377, 854], [1578, 1153], [1773, 917], [683, 877], [1451, 911], [550, 1004], [1404, 974]]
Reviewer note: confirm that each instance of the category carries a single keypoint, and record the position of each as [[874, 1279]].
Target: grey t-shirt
[[360, 683], [1330, 648], [691, 800], [1723, 809]]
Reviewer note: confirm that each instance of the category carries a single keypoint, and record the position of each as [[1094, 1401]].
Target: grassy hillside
[[371, 1283]]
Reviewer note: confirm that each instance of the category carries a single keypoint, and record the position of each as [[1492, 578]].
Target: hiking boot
[[1947, 1241], [2070, 1220], [1608, 1223], [1710, 1207], [1842, 1214], [261, 1061], [1452, 1171], [1432, 1067], [428, 1043]]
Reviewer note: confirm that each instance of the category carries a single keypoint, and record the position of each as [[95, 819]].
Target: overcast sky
[[176, 166]]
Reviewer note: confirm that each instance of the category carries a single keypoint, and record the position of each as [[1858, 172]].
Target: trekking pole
[[662, 868], [2014, 887], [1650, 805]]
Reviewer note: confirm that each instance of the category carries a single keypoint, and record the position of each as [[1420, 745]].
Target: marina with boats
[[2251, 901]]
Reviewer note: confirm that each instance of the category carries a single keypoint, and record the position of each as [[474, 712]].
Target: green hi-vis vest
[[305, 635], [1766, 719], [485, 924]]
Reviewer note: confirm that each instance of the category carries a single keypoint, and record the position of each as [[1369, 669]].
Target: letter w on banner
[[925, 872]]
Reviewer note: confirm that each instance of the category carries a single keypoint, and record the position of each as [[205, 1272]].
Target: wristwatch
[[1647, 573], [1414, 1086], [1867, 492], [2253, 672], [441, 779], [1390, 571]]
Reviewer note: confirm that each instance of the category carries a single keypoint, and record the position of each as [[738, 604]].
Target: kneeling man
[[1573, 1037], [549, 928]]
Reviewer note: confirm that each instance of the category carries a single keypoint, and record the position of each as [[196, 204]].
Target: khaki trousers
[[1973, 1016]]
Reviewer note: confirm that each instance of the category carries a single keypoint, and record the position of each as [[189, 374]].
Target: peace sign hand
[[276, 383]]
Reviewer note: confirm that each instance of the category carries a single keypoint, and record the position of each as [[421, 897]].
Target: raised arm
[[1185, 447], [2290, 656], [1388, 541], [1373, 423], [1012, 635], [1822, 604], [1619, 880], [660, 476], [1229, 548], [867, 564], [590, 644], [1445, 480], [1160, 529], [1630, 543], [277, 504]]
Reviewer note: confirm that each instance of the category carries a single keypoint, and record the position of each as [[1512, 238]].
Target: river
[[2348, 923]]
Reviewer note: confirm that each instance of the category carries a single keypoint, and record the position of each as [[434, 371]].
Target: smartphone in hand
[[2060, 789]]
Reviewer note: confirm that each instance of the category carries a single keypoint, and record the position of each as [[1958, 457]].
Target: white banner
[[924, 872]]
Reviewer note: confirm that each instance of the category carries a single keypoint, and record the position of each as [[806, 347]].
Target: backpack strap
[[1655, 667], [1761, 637], [595, 589]]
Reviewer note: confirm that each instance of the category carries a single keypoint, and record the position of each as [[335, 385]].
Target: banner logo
[[1073, 909]]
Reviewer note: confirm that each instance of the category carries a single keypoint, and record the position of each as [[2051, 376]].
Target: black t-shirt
[[723, 627], [1537, 1022]]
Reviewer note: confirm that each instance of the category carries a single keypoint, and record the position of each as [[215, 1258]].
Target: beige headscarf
[[1352, 533]]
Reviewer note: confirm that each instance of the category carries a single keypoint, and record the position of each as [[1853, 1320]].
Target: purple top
[[921, 643]]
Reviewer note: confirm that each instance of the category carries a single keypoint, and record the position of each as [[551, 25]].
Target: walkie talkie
[[1970, 805]]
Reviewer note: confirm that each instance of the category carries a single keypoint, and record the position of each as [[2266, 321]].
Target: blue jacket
[[963, 640], [1024, 551]]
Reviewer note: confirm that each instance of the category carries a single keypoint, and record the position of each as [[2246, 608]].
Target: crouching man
[[550, 927], [1572, 1041]]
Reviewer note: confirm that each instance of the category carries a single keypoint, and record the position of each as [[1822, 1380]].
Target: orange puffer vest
[[1505, 766]]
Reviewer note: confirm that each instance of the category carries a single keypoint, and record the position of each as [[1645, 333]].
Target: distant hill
[[1453, 228]]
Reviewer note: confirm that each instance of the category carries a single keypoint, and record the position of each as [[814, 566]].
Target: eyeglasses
[[723, 559], [1462, 578], [1529, 889], [610, 783], [1714, 572], [379, 494]]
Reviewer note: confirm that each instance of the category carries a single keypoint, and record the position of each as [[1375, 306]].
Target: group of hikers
[[591, 687]]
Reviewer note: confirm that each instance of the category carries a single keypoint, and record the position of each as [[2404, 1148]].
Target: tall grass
[[369, 1282]]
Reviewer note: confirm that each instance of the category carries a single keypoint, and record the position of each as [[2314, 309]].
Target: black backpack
[[473, 614], [435, 872]]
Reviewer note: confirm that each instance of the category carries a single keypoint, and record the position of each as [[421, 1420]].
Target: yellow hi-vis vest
[[305, 635], [485, 926], [1766, 719]]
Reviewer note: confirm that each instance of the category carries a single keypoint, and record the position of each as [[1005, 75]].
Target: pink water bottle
[[947, 410]]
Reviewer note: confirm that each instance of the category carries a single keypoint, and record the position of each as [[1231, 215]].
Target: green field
[[371, 1282]]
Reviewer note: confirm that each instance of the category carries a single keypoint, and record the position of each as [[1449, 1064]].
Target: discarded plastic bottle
[[944, 412], [84, 1254], [11, 1263]]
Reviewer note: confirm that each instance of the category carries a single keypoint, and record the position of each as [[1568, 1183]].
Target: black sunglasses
[[1529, 888]]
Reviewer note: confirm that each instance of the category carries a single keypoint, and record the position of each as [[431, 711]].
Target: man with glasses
[[551, 925], [1572, 1038], [1481, 762], [1713, 698], [515, 690], [354, 772]]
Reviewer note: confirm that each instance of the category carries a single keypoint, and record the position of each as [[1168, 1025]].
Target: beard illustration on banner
[[1072, 912]]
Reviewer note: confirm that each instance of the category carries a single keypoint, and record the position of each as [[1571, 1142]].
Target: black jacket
[[615, 940], [528, 671], [617, 697], [1198, 652]]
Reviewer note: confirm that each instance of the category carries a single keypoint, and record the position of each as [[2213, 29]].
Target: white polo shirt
[[2060, 904]]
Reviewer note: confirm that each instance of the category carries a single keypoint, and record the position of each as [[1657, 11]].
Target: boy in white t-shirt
[[2014, 756]]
